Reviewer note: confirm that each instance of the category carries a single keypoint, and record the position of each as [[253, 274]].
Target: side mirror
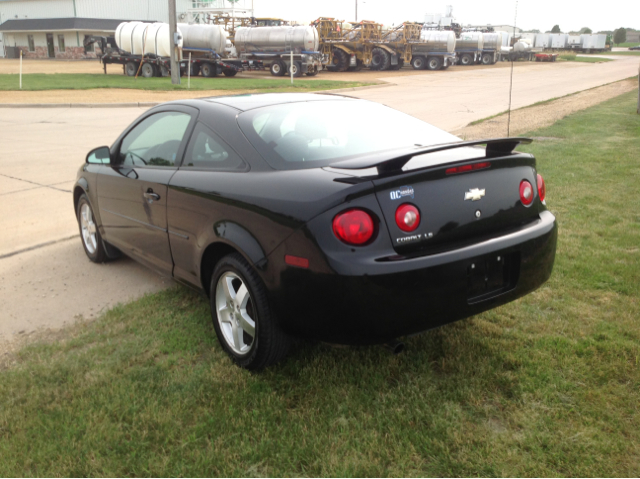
[[100, 156]]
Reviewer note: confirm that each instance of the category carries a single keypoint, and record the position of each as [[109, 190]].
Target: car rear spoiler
[[495, 147]]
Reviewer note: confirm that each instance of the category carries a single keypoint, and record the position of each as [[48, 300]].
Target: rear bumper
[[360, 302]]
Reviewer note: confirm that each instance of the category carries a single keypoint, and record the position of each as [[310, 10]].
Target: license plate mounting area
[[491, 275]]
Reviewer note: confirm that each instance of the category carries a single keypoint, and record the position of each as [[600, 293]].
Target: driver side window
[[155, 141]]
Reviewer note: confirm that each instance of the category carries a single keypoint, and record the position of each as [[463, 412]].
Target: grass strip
[[86, 81], [545, 386]]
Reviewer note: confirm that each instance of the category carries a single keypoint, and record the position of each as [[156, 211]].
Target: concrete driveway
[[45, 278]]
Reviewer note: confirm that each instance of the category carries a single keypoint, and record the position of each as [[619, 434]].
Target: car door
[[132, 190], [196, 202]]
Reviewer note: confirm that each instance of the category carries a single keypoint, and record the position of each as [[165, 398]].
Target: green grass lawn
[[545, 386], [631, 53], [574, 58], [628, 44], [65, 81]]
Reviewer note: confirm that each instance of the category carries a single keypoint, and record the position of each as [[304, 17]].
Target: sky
[[538, 14]]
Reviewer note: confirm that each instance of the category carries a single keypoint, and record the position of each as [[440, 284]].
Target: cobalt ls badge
[[474, 194], [402, 192]]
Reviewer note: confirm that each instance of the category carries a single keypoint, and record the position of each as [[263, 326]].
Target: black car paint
[[348, 294]]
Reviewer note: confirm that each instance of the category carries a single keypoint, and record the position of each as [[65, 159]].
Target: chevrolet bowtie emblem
[[474, 194]]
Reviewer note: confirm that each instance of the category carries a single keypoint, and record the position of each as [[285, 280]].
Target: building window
[[61, 43], [32, 45], [90, 46]]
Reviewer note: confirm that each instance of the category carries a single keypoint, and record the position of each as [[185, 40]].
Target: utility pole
[[356, 11], [173, 28]]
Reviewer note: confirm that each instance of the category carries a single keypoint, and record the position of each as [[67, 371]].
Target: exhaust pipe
[[394, 346]]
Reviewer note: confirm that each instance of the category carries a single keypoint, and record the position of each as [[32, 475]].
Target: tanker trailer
[[469, 48], [434, 51], [145, 48], [491, 48], [277, 46]]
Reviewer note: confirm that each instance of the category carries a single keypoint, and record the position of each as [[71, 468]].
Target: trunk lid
[[457, 209]]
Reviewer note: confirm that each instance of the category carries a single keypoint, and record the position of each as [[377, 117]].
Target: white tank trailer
[[276, 39], [469, 48], [434, 51], [146, 48], [140, 38], [274, 46]]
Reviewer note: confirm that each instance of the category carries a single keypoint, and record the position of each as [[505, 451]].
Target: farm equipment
[[351, 49]]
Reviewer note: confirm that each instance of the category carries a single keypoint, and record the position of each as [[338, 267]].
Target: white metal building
[[80, 14]]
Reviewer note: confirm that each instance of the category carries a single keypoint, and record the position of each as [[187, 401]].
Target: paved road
[[45, 279], [452, 100]]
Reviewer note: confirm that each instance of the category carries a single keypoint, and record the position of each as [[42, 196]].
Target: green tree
[[556, 29], [620, 36], [586, 30]]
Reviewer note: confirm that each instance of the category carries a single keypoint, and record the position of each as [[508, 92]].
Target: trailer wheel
[[313, 72], [296, 69], [380, 59], [434, 63], [130, 69], [229, 73], [466, 59], [340, 62], [278, 68], [418, 63], [208, 70], [148, 70], [487, 59]]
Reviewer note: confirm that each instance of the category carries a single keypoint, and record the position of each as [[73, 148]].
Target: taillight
[[526, 193], [464, 168], [354, 227], [407, 217], [542, 188]]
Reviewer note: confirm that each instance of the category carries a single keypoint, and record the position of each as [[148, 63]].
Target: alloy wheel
[[236, 313], [89, 230]]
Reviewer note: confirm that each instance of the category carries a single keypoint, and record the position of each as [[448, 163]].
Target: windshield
[[319, 133]]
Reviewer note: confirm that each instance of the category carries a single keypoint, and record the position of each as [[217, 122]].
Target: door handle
[[150, 195]]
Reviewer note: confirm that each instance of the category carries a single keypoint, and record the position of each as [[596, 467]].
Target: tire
[[466, 60], [208, 70], [148, 70], [229, 73], [340, 60], [130, 69], [195, 69], [434, 63], [269, 344], [487, 59], [297, 69], [380, 60], [278, 68], [418, 63], [313, 72], [89, 233]]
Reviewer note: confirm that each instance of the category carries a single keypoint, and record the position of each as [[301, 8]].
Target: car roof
[[258, 100]]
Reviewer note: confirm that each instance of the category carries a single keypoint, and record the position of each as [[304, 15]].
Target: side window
[[155, 141], [207, 150]]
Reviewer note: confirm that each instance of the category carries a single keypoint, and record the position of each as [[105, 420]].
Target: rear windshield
[[316, 134]]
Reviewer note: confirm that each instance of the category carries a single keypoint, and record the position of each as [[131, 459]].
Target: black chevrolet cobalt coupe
[[320, 216]]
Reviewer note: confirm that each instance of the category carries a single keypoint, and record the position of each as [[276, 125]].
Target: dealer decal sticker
[[402, 192]]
